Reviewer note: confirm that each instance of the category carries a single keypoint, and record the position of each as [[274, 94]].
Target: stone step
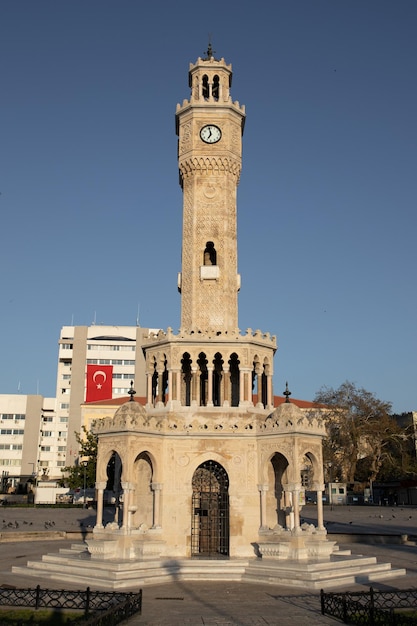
[[75, 566], [351, 571], [122, 575]]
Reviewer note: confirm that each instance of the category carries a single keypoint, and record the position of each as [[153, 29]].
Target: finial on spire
[[131, 392], [210, 52], [287, 393]]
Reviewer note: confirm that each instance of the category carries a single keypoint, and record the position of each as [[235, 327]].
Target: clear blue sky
[[90, 203]]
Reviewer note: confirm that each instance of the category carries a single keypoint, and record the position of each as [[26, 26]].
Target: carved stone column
[[195, 387], [296, 488], [226, 385], [259, 372], [170, 390], [262, 490], [159, 402], [177, 386], [127, 489], [100, 486], [149, 389], [241, 387], [269, 399], [288, 507], [319, 495], [156, 488], [209, 386], [249, 387]]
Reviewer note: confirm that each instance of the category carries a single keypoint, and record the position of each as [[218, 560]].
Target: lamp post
[[85, 463]]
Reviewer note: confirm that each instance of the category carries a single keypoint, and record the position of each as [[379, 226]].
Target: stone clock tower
[[209, 477], [209, 468], [209, 127]]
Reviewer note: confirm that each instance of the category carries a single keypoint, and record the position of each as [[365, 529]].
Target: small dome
[[130, 409], [287, 411]]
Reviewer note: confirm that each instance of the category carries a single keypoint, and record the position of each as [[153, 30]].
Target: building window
[[60, 464], [45, 448], [62, 448], [47, 433], [63, 420], [66, 346], [124, 376], [64, 405]]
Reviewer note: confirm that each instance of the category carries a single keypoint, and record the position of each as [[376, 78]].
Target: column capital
[[263, 487], [292, 487], [101, 485], [156, 486]]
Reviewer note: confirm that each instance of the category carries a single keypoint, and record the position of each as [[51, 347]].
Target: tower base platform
[[76, 565]]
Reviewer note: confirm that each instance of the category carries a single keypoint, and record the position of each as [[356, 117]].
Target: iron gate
[[210, 511]]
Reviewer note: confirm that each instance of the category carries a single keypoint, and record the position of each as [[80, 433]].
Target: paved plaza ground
[[220, 604]]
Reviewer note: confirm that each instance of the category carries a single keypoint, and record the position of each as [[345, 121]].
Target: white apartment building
[[79, 346], [37, 434], [27, 430]]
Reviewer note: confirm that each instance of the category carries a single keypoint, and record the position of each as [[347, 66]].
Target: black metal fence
[[371, 608], [104, 608]]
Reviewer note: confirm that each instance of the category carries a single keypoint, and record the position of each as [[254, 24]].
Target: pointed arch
[[277, 505], [203, 378], [216, 87], [234, 379], [143, 502], [210, 511], [217, 379], [186, 378], [205, 87]]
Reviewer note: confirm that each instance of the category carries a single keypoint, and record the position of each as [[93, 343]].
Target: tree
[[362, 435], [88, 452]]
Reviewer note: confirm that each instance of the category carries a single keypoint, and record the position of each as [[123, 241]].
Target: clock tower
[[209, 127]]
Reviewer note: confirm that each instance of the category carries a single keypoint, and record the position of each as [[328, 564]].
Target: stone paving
[[218, 604]]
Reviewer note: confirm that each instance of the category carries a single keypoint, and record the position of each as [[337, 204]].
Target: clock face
[[210, 133]]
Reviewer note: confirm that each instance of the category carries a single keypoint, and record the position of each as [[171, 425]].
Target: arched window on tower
[[234, 380], [217, 379], [216, 87], [205, 87], [265, 384], [202, 364], [154, 385], [186, 379], [210, 254]]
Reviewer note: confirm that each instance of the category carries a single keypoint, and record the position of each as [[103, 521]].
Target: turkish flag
[[99, 383]]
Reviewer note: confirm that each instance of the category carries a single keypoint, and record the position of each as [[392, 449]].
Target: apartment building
[[114, 348], [27, 439], [37, 434]]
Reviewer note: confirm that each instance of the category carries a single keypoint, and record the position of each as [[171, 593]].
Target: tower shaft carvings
[[209, 127], [209, 364]]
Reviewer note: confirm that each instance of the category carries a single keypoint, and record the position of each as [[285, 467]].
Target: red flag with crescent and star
[[99, 383]]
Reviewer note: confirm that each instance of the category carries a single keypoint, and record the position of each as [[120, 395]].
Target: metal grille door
[[210, 511]]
